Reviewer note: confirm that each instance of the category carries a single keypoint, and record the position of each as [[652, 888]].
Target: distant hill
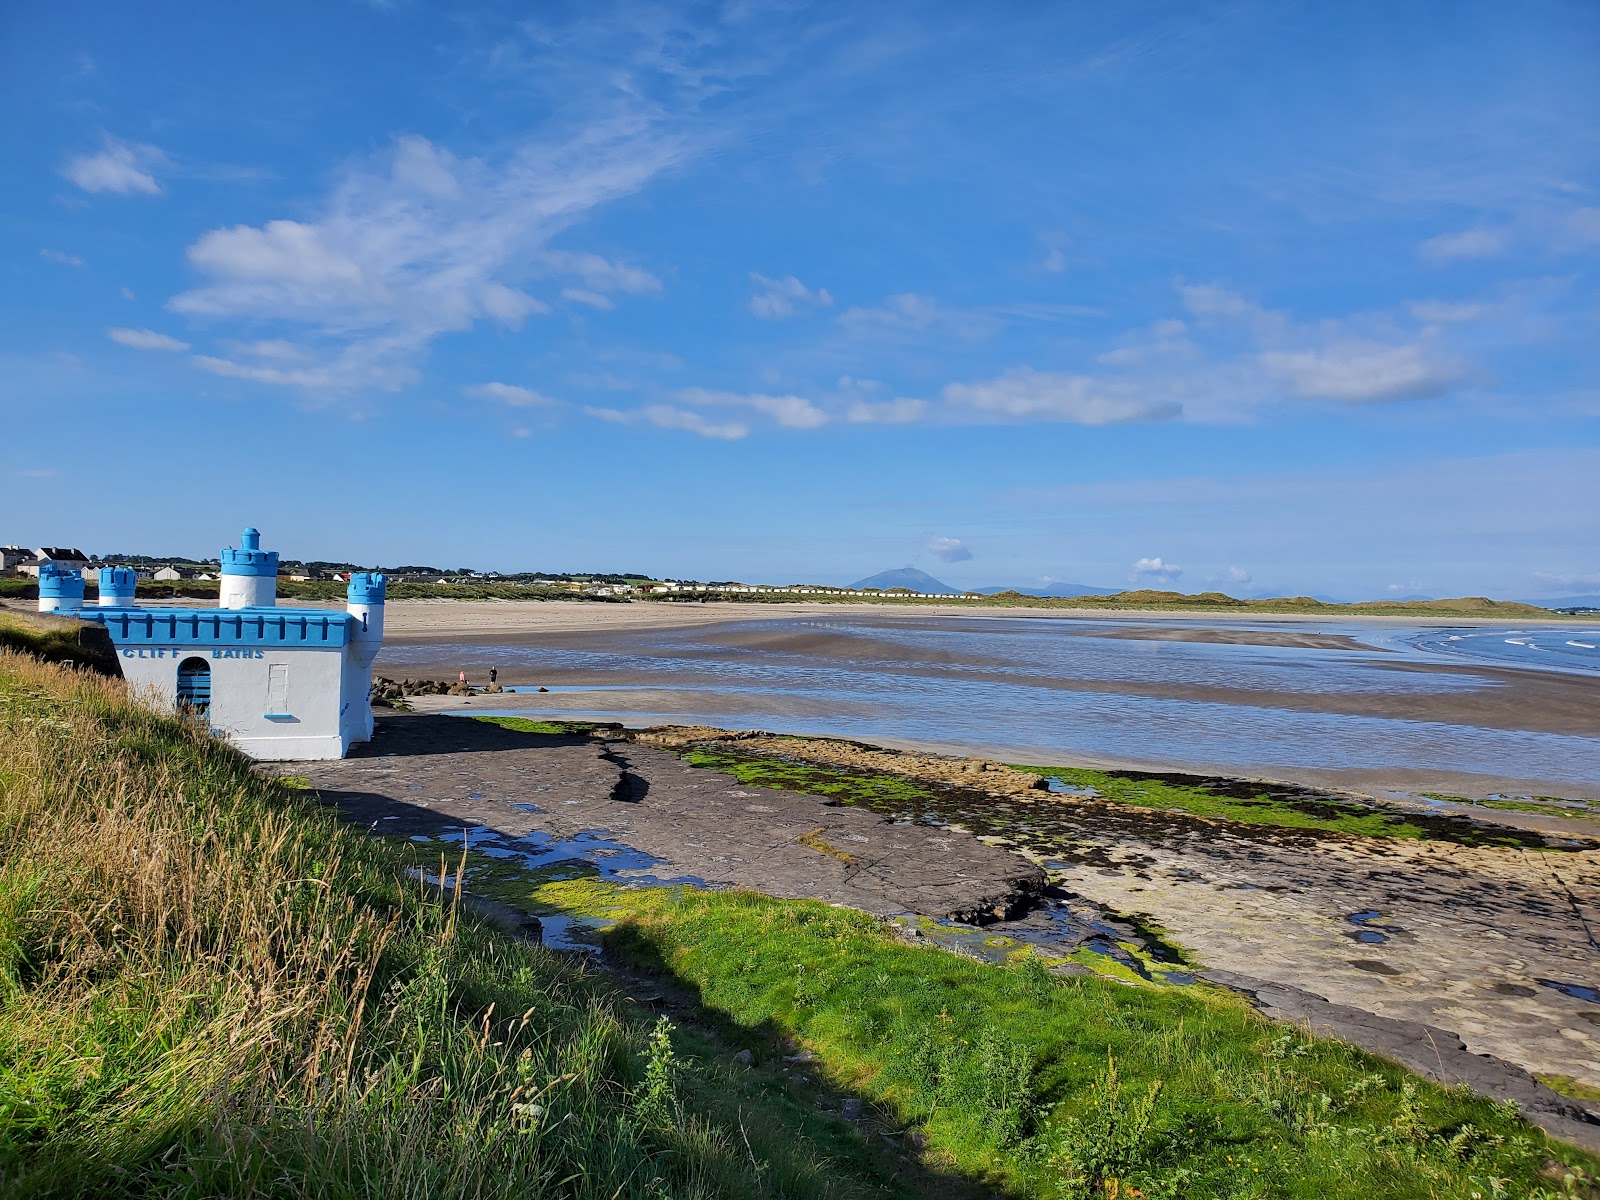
[[1055, 589], [1590, 601], [909, 578]]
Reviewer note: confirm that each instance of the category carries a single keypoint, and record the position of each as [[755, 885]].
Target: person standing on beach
[[461, 678], [494, 674]]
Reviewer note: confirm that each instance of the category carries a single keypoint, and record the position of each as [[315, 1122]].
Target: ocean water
[[1063, 687]]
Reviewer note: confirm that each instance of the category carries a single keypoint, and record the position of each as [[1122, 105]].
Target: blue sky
[[1258, 296]]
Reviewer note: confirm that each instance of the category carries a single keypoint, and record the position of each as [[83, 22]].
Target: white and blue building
[[279, 683]]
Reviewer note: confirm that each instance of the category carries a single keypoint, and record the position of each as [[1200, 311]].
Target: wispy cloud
[[510, 393], [121, 168], [1465, 245], [422, 243], [787, 412], [777, 299], [1026, 394], [62, 257], [146, 339]]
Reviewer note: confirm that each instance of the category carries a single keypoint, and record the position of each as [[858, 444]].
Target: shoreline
[[420, 620], [1397, 788]]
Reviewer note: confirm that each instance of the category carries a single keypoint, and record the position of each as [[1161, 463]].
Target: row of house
[[24, 560], [796, 590]]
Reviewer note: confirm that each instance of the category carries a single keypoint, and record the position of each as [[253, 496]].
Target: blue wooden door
[[194, 686]]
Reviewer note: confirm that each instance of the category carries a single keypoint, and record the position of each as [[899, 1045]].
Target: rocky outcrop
[[643, 814], [980, 774]]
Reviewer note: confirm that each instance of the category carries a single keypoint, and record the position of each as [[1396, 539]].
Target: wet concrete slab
[[429, 776]]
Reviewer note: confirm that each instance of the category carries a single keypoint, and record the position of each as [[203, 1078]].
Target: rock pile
[[387, 691]]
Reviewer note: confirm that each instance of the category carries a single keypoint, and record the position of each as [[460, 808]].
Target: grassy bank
[[58, 640], [1049, 1086], [210, 987]]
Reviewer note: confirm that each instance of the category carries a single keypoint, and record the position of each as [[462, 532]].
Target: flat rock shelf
[[432, 776]]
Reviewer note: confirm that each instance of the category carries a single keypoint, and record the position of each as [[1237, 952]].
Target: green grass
[[209, 986], [1260, 804], [1545, 806], [57, 640], [1568, 1086], [848, 787], [535, 725], [1027, 1079], [1211, 799]]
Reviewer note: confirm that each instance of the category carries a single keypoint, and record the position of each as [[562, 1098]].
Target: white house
[[279, 683]]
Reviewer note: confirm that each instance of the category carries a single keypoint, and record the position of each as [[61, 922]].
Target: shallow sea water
[[1052, 687]]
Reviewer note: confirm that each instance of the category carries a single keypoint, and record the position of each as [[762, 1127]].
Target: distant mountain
[[906, 577], [1589, 601], [1055, 589]]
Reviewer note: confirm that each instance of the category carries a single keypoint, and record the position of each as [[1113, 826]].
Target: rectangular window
[[277, 690]]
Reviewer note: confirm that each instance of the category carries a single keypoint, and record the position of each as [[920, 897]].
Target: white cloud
[[900, 411], [668, 417], [1156, 570], [600, 276], [510, 393], [909, 312], [1361, 372], [1466, 245], [776, 299], [127, 293], [424, 243], [122, 168], [273, 348], [1026, 394], [592, 299], [62, 257], [1438, 312], [145, 339], [791, 412], [951, 550]]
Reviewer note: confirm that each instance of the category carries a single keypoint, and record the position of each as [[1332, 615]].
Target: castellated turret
[[118, 585], [249, 574], [364, 600], [60, 588]]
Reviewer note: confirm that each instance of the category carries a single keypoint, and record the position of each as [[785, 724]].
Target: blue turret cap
[[250, 558], [66, 583], [367, 587], [118, 581]]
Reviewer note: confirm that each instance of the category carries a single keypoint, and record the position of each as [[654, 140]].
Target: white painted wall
[[248, 591], [311, 724]]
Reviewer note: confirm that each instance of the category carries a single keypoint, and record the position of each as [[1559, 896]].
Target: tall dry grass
[[208, 986]]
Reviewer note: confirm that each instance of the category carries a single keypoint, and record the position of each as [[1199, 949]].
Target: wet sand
[[436, 642], [470, 620], [1243, 637]]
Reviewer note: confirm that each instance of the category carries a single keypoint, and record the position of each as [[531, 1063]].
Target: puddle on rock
[[1364, 921], [1577, 991], [1061, 787]]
